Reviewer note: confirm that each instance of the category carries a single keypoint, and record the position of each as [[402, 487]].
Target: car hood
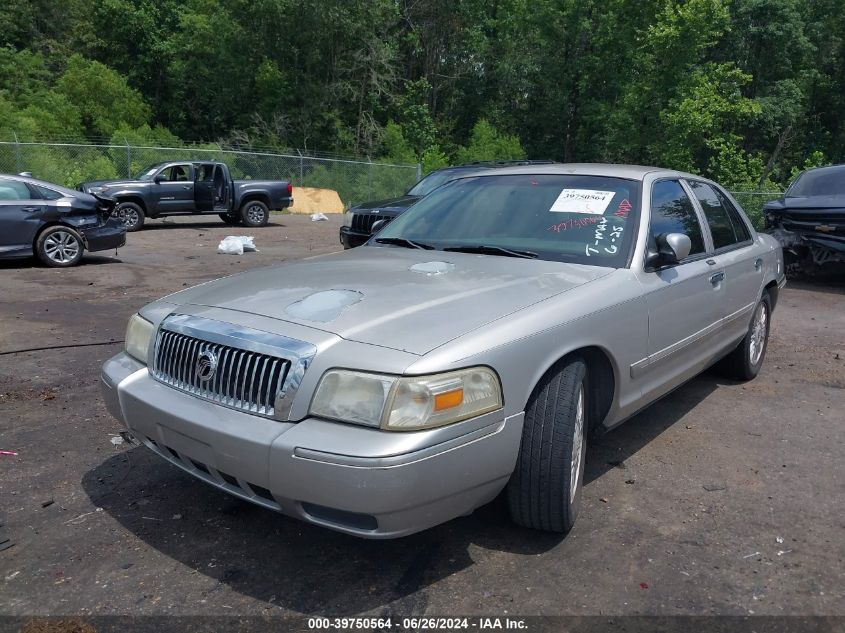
[[403, 202], [409, 300], [113, 183], [807, 203]]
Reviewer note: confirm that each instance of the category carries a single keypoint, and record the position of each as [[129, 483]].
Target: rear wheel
[[745, 361], [544, 491], [230, 219], [131, 214], [59, 247], [255, 213]]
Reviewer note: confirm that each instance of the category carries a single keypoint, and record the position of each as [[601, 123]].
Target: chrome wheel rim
[[128, 216], [255, 214], [758, 334], [61, 247], [577, 445]]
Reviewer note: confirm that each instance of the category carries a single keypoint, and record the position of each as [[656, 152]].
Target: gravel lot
[[723, 498]]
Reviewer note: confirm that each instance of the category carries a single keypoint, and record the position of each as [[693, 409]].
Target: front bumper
[[353, 239], [353, 479], [111, 234]]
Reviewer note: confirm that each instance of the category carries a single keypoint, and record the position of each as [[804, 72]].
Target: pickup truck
[[192, 187]]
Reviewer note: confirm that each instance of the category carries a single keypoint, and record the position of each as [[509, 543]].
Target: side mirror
[[159, 179], [671, 249], [378, 225]]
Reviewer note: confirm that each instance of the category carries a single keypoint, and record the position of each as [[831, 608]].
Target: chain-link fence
[[70, 164]]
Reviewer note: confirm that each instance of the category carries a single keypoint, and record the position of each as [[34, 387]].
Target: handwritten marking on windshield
[[572, 224]]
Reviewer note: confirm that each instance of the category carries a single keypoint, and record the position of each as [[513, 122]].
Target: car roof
[[833, 168], [630, 172], [43, 183]]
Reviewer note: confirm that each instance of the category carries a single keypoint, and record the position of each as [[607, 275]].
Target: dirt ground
[[722, 498]]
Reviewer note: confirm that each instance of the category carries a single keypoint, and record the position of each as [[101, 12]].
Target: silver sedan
[[475, 345]]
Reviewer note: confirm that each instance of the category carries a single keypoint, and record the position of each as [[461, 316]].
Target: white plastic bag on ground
[[318, 217], [236, 245]]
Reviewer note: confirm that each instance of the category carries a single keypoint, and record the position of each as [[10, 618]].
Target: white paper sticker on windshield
[[582, 201]]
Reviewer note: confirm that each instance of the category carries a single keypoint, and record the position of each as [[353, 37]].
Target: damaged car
[[809, 220], [474, 346], [53, 223]]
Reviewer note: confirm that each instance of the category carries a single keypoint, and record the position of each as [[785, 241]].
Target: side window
[[176, 173], [47, 194], [672, 212], [721, 226], [740, 227], [205, 173], [14, 190]]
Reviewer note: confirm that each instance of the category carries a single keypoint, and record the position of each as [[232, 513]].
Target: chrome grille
[[245, 380]]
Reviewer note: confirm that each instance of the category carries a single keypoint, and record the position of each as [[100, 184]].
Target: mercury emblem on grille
[[206, 365]]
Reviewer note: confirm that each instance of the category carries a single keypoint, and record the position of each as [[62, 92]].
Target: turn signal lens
[[448, 400]]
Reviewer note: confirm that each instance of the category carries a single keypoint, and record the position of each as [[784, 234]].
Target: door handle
[[186, 186], [711, 262], [758, 265], [31, 209], [715, 278]]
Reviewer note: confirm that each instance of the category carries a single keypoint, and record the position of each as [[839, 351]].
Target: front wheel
[[745, 361], [255, 213], [131, 214], [59, 247], [230, 219], [544, 492]]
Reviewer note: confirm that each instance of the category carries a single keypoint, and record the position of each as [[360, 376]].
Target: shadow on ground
[[313, 570], [158, 225]]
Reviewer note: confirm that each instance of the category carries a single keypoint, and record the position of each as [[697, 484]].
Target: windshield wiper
[[492, 250], [401, 241]]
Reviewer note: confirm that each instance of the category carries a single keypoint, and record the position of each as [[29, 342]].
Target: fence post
[[370, 178], [18, 167], [419, 172], [301, 169], [128, 159]]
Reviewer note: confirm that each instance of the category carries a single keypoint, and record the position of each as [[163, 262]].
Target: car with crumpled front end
[[809, 220], [54, 223], [474, 346]]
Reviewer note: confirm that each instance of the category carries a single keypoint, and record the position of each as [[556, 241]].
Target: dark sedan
[[809, 221], [54, 223]]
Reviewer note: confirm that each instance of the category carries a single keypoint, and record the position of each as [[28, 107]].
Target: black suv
[[809, 220], [358, 220]]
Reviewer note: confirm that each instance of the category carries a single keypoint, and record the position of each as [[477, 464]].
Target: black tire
[[230, 219], [131, 214], [540, 492], [59, 246], [254, 213], [745, 361]]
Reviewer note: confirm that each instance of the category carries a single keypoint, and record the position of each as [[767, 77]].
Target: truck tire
[[131, 214], [544, 491], [59, 246], [255, 213], [745, 361], [230, 219]]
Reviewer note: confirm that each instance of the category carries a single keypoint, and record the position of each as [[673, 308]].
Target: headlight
[[139, 332], [97, 189], [347, 218], [406, 403]]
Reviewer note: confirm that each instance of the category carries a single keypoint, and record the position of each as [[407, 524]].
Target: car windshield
[[566, 218], [431, 182], [818, 182], [148, 172]]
